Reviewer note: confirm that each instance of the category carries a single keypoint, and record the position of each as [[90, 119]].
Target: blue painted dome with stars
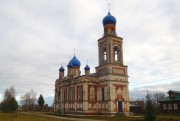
[[109, 19], [87, 68], [61, 69]]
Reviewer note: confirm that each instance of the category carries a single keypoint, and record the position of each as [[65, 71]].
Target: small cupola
[[61, 69], [109, 23], [87, 70], [61, 72]]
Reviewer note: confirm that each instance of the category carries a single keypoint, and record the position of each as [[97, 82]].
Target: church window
[[102, 93], [106, 93], [175, 106], [65, 95], [116, 54], [71, 94], [80, 93], [92, 93], [59, 95], [103, 55]]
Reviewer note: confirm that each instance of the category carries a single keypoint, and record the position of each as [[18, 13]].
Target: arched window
[[116, 54], [104, 54]]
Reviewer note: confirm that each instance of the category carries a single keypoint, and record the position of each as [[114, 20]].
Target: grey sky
[[36, 36]]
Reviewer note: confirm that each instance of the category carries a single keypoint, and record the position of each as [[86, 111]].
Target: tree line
[[28, 101]]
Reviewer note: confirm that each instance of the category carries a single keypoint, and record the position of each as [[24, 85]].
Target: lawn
[[120, 118], [141, 118], [23, 117], [29, 117]]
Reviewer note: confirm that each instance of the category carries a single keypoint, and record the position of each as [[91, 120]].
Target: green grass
[[169, 117], [23, 117], [159, 118], [18, 116], [100, 117]]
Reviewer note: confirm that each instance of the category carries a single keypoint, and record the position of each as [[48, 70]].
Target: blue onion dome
[[75, 62], [87, 68], [70, 65], [109, 19], [61, 69]]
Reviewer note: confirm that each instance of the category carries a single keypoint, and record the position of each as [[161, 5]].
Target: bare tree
[[158, 96], [155, 97], [28, 100], [9, 93]]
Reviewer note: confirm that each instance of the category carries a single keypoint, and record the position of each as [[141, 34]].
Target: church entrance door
[[119, 106]]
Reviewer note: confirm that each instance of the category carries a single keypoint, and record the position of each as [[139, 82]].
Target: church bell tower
[[110, 50], [111, 70]]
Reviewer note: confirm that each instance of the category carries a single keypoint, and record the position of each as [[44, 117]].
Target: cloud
[[140, 91], [37, 36]]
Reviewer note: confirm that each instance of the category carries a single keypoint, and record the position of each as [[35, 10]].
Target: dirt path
[[64, 118]]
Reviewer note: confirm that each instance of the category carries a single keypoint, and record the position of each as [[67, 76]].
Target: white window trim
[[175, 106]]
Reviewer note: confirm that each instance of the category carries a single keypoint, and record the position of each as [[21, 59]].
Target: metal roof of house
[[175, 97]]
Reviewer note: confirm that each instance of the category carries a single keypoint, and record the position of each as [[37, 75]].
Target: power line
[[156, 80]]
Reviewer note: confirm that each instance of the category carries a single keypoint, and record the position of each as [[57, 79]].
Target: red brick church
[[103, 92]]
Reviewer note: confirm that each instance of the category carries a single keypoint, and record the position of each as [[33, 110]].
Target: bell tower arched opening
[[116, 51], [103, 55]]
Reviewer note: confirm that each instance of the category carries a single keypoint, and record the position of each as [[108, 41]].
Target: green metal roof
[[176, 92], [170, 99], [176, 98]]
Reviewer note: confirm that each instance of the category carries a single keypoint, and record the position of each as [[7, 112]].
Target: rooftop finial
[[109, 6]]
